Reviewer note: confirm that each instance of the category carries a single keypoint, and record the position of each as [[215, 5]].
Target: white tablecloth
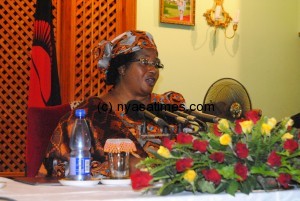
[[24, 192]]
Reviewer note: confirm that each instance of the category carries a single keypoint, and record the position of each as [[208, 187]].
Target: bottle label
[[79, 166]]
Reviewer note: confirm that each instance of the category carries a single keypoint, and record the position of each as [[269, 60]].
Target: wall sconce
[[217, 17]]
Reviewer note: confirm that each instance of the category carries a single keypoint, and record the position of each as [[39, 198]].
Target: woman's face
[[140, 78]]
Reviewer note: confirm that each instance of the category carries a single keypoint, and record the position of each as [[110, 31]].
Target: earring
[[122, 73]]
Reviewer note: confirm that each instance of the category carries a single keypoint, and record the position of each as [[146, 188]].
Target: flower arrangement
[[233, 156]]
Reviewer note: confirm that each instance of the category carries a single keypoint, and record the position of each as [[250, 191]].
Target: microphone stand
[[144, 128], [179, 128], [144, 134], [170, 131], [165, 130]]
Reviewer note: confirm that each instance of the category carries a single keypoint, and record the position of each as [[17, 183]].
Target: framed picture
[[177, 12]]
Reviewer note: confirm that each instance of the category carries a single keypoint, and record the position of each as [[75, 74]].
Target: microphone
[[204, 117], [167, 111], [136, 111], [177, 118], [202, 124], [187, 116]]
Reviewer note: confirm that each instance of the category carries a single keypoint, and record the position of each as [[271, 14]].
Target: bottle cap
[[80, 113]]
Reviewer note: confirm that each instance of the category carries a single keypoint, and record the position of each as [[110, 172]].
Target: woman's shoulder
[[89, 102], [170, 97]]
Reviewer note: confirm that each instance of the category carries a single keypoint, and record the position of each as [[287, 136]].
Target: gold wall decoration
[[217, 17]]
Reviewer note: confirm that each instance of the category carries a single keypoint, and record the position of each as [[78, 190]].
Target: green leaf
[[221, 187], [246, 186], [295, 154], [149, 161], [233, 187], [230, 158], [227, 172], [164, 171], [206, 186], [178, 188], [166, 189], [263, 171], [217, 146], [174, 186], [252, 180], [161, 170]]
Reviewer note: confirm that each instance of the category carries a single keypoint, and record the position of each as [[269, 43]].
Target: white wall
[[264, 55]]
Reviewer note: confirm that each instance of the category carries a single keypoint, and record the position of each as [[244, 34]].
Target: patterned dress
[[103, 125]]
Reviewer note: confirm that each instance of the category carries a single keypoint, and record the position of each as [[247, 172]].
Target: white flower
[[272, 122]]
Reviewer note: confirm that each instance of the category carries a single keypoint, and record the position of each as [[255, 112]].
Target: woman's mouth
[[151, 81]]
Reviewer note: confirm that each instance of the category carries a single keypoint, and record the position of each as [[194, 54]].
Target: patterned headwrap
[[127, 42]]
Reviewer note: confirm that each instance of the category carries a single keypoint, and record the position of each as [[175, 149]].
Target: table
[[24, 192]]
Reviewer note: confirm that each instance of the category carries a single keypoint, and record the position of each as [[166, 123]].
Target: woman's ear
[[121, 70]]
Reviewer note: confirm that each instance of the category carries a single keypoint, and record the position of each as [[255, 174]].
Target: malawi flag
[[44, 83]]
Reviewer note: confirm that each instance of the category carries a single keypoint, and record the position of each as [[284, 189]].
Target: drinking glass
[[119, 165]]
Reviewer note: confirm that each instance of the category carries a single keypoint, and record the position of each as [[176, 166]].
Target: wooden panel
[[91, 22], [16, 36], [79, 25]]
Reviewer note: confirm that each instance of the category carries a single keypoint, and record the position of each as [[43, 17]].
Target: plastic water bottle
[[80, 144]]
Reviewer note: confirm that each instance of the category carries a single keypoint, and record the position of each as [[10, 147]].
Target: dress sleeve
[[172, 97]]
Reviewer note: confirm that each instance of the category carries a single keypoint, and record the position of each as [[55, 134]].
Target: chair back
[[42, 121]]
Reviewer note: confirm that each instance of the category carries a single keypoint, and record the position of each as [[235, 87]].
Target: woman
[[132, 66], [181, 7]]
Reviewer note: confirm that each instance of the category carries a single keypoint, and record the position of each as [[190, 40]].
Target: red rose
[[140, 180], [184, 164], [238, 127], [284, 179], [183, 138], [216, 130], [241, 150], [253, 115], [290, 145], [217, 156], [166, 142], [274, 159], [200, 145], [242, 171], [212, 175]]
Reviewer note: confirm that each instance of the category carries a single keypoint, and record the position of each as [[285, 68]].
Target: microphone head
[[158, 110], [167, 112], [132, 110], [137, 111], [204, 117]]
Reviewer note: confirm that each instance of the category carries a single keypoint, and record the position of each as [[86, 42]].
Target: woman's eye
[[145, 61]]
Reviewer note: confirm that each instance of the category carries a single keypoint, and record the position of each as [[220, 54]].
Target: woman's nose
[[152, 69]]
